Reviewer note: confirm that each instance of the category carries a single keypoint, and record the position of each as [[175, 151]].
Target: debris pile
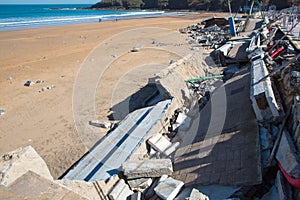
[[214, 34], [275, 88]]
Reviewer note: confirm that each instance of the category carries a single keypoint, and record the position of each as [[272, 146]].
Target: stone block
[[121, 191], [168, 189], [147, 168]]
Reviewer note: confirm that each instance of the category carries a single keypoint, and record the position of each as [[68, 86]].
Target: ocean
[[18, 17]]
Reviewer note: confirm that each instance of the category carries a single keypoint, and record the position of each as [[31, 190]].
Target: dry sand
[[55, 54]]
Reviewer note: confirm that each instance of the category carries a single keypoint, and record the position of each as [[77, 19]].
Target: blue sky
[[48, 1]]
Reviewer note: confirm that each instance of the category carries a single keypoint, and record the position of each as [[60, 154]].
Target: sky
[[48, 1]]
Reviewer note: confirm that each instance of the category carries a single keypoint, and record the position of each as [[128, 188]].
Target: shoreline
[[73, 20]]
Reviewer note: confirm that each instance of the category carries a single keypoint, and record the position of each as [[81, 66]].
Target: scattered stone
[[197, 195], [9, 78], [135, 49], [171, 62], [47, 88], [121, 191], [168, 189], [100, 124], [29, 83], [139, 184], [6, 157], [2, 111], [147, 168], [39, 81]]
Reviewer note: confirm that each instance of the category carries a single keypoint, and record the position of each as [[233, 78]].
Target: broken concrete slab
[[105, 159], [162, 144], [16, 163], [121, 191], [283, 188], [147, 168], [262, 96], [197, 195], [287, 157], [139, 184], [168, 189], [33, 186], [85, 189]]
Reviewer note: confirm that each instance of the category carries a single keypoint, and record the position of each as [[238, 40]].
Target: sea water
[[17, 17]]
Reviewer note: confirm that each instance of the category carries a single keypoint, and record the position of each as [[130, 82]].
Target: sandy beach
[[44, 119]]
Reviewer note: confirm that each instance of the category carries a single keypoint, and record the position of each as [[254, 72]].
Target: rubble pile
[[275, 83], [213, 36]]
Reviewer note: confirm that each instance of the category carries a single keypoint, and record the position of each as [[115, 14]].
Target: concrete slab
[[287, 156], [121, 191], [105, 159], [16, 163], [283, 187], [147, 168], [222, 145], [213, 192], [34, 186], [262, 96], [168, 189]]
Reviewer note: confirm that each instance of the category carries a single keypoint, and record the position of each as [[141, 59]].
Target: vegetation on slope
[[219, 5]]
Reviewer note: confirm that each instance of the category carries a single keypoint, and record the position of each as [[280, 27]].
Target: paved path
[[224, 149]]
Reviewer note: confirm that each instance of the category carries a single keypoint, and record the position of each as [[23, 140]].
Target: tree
[[178, 4]]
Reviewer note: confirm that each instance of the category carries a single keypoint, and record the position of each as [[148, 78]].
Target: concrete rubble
[[168, 146], [139, 184], [168, 189], [17, 163], [197, 195], [121, 191], [147, 168], [162, 145], [100, 124]]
